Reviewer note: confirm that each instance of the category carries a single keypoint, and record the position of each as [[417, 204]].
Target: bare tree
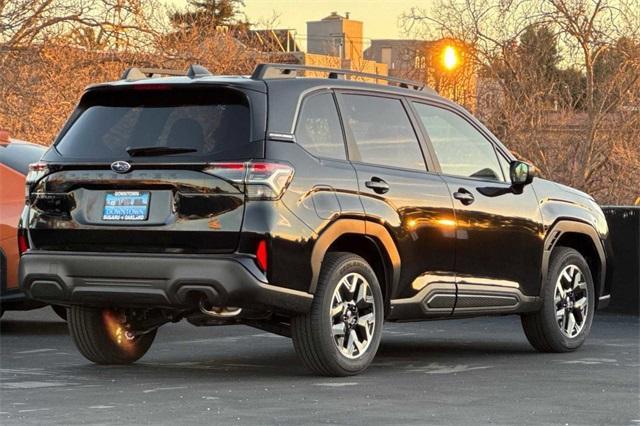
[[591, 28], [575, 132], [41, 83], [118, 24], [24, 21]]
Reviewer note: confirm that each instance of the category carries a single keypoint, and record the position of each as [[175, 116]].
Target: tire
[[61, 311], [551, 329], [100, 336], [338, 355]]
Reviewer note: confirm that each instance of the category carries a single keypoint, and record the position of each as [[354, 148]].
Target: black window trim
[[296, 121], [497, 150], [352, 148], [499, 154]]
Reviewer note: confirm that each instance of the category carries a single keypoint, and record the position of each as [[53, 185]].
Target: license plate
[[126, 206]]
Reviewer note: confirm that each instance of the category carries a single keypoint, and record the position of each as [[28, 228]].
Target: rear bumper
[[152, 280]]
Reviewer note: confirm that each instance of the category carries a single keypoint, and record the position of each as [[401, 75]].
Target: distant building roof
[[334, 15]]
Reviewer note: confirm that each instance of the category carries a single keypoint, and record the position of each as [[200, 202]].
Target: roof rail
[[269, 71], [135, 73]]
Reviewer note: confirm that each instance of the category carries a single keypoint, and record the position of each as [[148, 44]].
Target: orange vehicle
[[15, 157]]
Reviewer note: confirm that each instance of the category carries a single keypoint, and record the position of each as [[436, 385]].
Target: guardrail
[[624, 226]]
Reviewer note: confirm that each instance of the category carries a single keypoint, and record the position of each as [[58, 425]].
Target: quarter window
[[382, 131], [460, 148], [318, 129]]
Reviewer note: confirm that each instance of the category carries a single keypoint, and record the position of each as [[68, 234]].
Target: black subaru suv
[[315, 208]]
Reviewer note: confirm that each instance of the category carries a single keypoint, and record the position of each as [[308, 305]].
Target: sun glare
[[450, 57]]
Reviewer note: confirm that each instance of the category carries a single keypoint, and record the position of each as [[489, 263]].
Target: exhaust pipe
[[218, 312]]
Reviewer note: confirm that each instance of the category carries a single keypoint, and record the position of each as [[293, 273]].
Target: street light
[[449, 57]]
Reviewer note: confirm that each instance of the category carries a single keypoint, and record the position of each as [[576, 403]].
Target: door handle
[[378, 185], [464, 196]]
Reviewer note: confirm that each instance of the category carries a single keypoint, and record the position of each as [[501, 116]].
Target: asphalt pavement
[[459, 372]]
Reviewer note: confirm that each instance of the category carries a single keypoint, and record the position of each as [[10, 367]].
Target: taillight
[[267, 181], [264, 180], [229, 171], [36, 172], [261, 255], [23, 242]]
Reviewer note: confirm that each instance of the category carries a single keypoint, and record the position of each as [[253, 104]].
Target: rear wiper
[[150, 151]]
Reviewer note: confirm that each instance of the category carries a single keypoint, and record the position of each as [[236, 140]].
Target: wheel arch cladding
[[367, 248], [375, 245], [584, 239]]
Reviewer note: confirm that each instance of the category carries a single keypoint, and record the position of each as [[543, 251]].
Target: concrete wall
[[335, 36], [324, 37], [336, 42], [353, 39]]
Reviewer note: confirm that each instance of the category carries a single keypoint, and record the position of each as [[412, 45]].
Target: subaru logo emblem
[[120, 166]]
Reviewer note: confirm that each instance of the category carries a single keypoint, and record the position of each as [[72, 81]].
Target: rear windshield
[[213, 122]]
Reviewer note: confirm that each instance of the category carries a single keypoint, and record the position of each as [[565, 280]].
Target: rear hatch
[[137, 168]]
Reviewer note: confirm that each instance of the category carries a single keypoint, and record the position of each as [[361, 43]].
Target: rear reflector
[[23, 243], [261, 255]]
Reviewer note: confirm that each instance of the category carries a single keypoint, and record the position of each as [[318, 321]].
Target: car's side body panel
[[567, 211], [558, 201], [515, 216], [418, 214], [11, 204], [499, 235], [14, 160]]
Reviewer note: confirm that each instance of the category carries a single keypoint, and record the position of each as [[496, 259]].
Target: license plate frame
[[126, 206]]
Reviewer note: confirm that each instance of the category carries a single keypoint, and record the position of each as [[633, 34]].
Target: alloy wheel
[[571, 301], [353, 314]]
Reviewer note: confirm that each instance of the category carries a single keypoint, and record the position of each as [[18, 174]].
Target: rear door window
[[213, 122], [382, 131]]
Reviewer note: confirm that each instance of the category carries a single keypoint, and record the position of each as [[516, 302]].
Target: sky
[[380, 17]]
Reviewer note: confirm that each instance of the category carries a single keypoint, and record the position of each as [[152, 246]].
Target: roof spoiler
[[135, 73]]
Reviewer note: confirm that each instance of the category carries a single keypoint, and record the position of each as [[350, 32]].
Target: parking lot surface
[[476, 371]]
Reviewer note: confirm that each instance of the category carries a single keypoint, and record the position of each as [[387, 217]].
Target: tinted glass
[[460, 148], [214, 122], [318, 129], [382, 131], [18, 155]]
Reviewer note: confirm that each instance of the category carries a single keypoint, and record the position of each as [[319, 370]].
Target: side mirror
[[521, 173]]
